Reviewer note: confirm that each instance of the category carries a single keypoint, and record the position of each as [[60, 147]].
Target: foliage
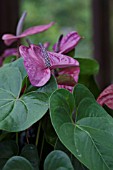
[[45, 126]]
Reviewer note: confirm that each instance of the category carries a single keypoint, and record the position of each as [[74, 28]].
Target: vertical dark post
[[8, 18], [101, 40]]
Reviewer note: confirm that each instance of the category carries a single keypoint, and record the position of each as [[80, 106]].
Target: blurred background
[[92, 19]]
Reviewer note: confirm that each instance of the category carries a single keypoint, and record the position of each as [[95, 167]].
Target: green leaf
[[18, 163], [88, 66], [57, 160], [90, 108], [18, 64], [80, 92], [85, 138], [7, 150], [90, 82], [61, 108], [48, 88], [76, 164], [9, 59], [17, 112], [30, 153]]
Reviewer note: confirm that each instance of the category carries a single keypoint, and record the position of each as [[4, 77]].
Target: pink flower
[[10, 38], [39, 63], [68, 77], [106, 97], [67, 43], [7, 53]]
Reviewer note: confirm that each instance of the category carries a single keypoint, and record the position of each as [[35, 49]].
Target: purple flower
[[106, 97], [10, 38], [67, 43], [68, 77], [7, 53], [39, 63]]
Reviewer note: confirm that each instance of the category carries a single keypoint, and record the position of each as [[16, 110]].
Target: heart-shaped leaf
[[76, 164], [57, 160], [80, 92], [18, 64], [18, 112], [85, 139], [18, 163]]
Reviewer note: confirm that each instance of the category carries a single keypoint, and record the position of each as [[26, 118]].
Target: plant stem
[[38, 133], [42, 147], [27, 138], [17, 138]]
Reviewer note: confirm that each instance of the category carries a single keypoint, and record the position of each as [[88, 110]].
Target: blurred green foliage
[[69, 15]]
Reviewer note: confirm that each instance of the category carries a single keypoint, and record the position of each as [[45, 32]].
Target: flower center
[[45, 55]]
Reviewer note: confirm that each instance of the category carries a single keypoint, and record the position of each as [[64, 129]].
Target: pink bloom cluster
[[40, 63]]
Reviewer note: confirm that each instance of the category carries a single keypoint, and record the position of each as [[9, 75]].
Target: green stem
[[42, 147], [17, 138], [38, 133]]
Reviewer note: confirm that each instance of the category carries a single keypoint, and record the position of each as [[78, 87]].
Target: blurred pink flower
[[10, 38], [7, 53], [106, 97], [68, 77], [67, 43], [39, 63]]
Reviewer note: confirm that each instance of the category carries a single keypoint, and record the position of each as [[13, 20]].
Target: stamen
[[45, 55]]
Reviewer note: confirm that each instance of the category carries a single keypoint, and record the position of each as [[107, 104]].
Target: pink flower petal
[[34, 64], [10, 38], [70, 81], [71, 71], [10, 52], [68, 42], [61, 61], [106, 97], [36, 29], [70, 88]]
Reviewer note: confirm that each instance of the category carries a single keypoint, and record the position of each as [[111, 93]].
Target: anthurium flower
[[106, 97], [39, 63], [7, 53], [10, 38], [67, 43], [68, 77]]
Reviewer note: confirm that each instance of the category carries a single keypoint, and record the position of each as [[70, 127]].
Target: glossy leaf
[[75, 162], [80, 92], [57, 160], [18, 112], [85, 138], [17, 163], [18, 64]]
